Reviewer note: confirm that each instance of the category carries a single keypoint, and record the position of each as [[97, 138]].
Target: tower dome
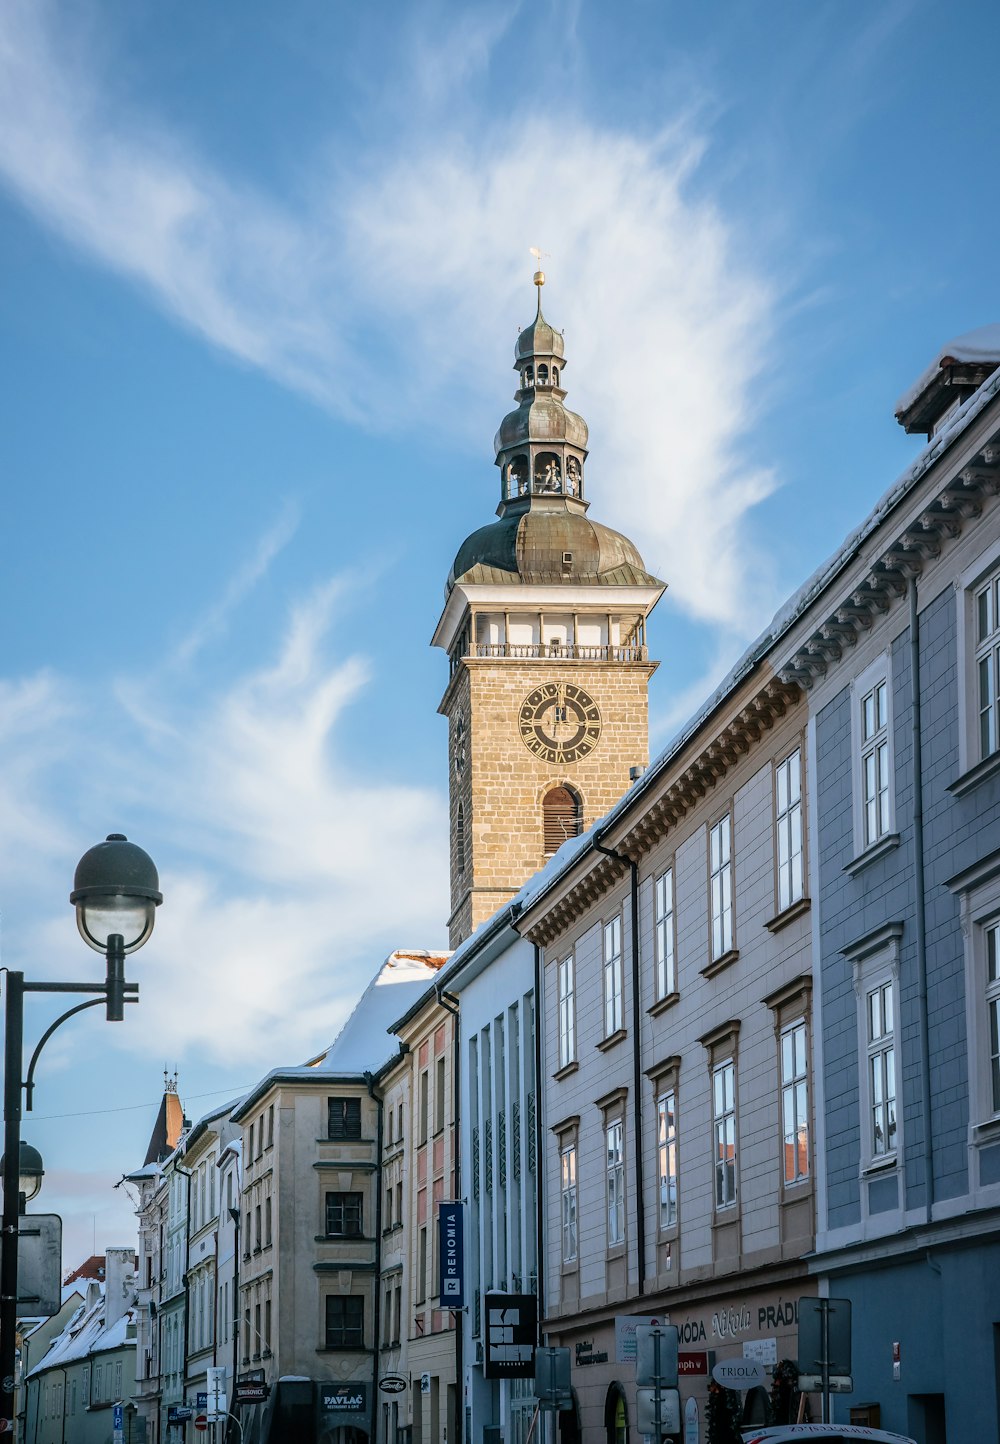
[[543, 534]]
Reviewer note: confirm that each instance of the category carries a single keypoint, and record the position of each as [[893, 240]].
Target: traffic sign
[[656, 1355], [739, 1373], [670, 1411], [201, 1423], [813, 1383]]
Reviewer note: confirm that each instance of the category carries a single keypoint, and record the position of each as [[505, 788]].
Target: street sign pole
[[824, 1306], [657, 1397]]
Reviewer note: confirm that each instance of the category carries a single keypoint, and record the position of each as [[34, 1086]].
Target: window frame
[[795, 1088], [978, 889], [795, 808], [667, 1152], [725, 1171], [864, 685], [569, 1217], [984, 570], [345, 1208], [614, 1155], [355, 1327], [720, 941], [613, 977], [664, 936], [875, 960], [351, 1105], [566, 997]]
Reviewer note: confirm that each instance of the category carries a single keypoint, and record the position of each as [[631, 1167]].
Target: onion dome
[[545, 543], [543, 535]]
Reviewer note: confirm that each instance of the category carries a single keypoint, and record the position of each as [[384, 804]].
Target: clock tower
[[544, 624]]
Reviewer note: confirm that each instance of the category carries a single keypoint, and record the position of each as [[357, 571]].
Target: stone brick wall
[[502, 783]]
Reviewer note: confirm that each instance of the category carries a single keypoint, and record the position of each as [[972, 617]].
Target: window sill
[[612, 1040], [662, 1004], [982, 772], [343, 1237], [879, 849], [986, 1132], [615, 1250], [342, 1349], [717, 965], [565, 1071], [726, 1215], [788, 915], [888, 1163], [569, 1267]]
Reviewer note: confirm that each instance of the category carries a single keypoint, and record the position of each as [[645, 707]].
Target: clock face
[[559, 722]]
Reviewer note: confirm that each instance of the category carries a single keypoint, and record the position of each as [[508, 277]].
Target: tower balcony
[[558, 651]]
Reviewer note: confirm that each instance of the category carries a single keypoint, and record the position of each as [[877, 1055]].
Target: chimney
[[119, 1281]]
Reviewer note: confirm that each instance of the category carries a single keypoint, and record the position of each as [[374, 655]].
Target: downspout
[[450, 1004], [640, 1202], [235, 1215], [920, 921], [187, 1174], [539, 1170], [377, 1291], [63, 1372]]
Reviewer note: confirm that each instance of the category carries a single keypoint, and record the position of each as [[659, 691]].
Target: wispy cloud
[[668, 326]]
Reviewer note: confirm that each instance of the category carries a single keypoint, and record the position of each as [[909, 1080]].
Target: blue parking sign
[[118, 1421]]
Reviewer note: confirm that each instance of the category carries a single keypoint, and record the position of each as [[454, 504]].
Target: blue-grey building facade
[[904, 792]]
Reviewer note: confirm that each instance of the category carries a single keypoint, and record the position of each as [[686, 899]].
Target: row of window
[[789, 884], [794, 1146], [107, 1388]]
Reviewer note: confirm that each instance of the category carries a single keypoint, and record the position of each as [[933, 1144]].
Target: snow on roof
[[85, 1334], [983, 344], [364, 1044]]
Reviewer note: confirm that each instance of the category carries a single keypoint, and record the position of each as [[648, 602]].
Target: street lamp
[[116, 894], [30, 1172]]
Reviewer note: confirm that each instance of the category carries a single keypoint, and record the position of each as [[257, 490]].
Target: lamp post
[[116, 894]]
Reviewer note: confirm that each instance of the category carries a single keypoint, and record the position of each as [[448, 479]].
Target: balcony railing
[[562, 651]]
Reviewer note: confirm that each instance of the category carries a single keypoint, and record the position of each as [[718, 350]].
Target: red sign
[[688, 1364], [201, 1422]]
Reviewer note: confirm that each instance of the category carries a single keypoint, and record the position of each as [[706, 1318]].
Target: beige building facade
[[677, 1058]]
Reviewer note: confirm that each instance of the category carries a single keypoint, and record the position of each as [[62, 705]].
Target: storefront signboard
[[625, 1327], [511, 1333]]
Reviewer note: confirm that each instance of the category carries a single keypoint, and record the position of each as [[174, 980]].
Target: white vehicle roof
[[779, 1433]]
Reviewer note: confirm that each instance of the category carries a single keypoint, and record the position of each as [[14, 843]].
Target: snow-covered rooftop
[[364, 1043], [983, 345], [84, 1334]]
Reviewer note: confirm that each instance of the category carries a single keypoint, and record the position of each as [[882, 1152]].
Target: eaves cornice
[[897, 563]]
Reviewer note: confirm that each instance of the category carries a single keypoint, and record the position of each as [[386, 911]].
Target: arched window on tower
[[562, 817], [555, 376], [543, 375], [460, 838]]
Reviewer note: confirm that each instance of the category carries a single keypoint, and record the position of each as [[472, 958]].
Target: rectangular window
[[267, 1323], [399, 1203], [794, 1103], [721, 869], [666, 1157], [881, 1071], [724, 1131], [666, 974], [439, 1091], [422, 1265], [875, 776], [568, 1188], [987, 611], [344, 1119], [613, 1007], [387, 1318], [397, 1312], [993, 1009], [422, 1130], [788, 829], [616, 1184], [267, 1219], [567, 1012], [270, 1125], [345, 1321], [343, 1215]]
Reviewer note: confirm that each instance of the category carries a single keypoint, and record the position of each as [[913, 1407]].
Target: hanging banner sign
[[511, 1334], [451, 1252]]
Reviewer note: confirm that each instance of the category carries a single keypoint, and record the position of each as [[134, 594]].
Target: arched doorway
[[616, 1415]]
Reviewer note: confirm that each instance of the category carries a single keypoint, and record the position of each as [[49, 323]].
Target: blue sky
[[263, 268]]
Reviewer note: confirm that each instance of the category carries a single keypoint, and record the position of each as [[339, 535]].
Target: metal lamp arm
[[29, 1082]]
